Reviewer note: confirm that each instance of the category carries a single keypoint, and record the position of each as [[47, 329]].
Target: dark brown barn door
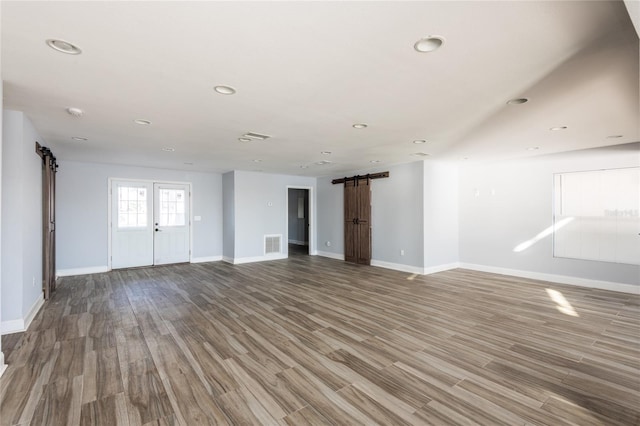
[[49, 168], [357, 221]]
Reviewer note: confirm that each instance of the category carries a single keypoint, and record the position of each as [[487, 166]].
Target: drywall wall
[[228, 216], [11, 235], [22, 220], [298, 226], [2, 364], [504, 204], [396, 216], [31, 216], [330, 218], [440, 214], [260, 209], [82, 211]]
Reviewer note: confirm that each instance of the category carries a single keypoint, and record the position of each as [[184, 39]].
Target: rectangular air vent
[[258, 136], [272, 244]]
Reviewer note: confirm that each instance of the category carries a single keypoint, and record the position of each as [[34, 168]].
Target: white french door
[[150, 223], [171, 223]]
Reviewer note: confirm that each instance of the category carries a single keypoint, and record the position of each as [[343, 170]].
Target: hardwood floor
[[311, 340]]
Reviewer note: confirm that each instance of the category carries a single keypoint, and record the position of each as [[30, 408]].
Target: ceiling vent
[[257, 136], [272, 244]]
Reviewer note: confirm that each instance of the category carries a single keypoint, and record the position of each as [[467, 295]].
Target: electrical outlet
[[328, 243], [402, 252], [34, 281]]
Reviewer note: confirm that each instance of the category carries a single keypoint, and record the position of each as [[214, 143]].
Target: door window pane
[[132, 207], [172, 207]]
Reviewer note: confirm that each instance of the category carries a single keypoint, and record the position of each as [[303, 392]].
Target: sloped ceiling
[[305, 72]]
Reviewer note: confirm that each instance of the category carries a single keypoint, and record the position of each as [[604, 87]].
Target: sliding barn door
[[49, 168], [357, 221]]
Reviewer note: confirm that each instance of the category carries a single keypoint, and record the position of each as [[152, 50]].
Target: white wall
[[82, 211], [260, 209], [491, 226], [397, 216], [2, 364], [31, 216], [330, 218], [21, 222], [440, 214], [228, 214]]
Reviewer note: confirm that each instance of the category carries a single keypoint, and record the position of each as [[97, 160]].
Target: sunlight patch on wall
[[550, 230]]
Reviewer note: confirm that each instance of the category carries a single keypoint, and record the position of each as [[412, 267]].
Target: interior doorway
[[149, 224], [298, 221]]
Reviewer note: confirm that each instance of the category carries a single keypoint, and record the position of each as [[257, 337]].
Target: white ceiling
[[306, 71]]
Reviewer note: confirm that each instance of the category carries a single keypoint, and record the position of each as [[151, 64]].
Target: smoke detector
[[76, 112]]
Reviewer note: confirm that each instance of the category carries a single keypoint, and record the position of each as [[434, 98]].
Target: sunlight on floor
[[562, 304], [550, 230], [412, 277]]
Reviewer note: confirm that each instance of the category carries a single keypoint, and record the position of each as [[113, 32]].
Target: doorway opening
[[299, 230], [150, 223]]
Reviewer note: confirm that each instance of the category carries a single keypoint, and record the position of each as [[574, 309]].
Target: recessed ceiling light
[[64, 46], [421, 154], [374, 161], [614, 136], [559, 128], [142, 122], [188, 164], [244, 139], [429, 43], [78, 138], [533, 148], [323, 162], [325, 152], [465, 158], [304, 167], [359, 126], [257, 161], [76, 112], [517, 101], [225, 90], [419, 141], [168, 149]]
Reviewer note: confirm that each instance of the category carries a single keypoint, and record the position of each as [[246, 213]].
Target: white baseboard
[[81, 271], [560, 279], [20, 325], [241, 260], [206, 259], [330, 255], [298, 242], [440, 268], [35, 308], [3, 366], [397, 266]]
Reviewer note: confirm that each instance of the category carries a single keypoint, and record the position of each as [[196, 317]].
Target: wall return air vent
[[272, 244]]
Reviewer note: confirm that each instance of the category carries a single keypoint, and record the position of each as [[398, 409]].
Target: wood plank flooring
[[313, 341]]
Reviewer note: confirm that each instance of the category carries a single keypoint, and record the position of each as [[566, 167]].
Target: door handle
[[158, 230]]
